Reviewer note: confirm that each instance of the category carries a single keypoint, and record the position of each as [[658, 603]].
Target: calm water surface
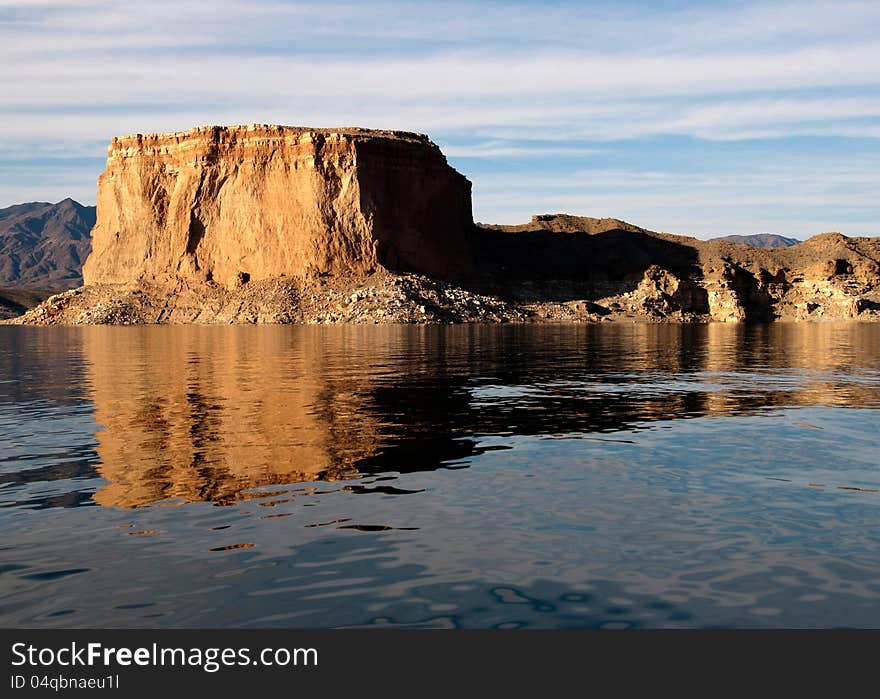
[[583, 476]]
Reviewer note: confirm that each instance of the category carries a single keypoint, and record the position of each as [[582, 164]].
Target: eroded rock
[[232, 204]]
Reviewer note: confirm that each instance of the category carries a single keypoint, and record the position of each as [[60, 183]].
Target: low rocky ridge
[[634, 273], [565, 223], [270, 224]]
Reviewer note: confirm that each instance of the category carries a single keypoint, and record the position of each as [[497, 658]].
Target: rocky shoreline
[[388, 298]]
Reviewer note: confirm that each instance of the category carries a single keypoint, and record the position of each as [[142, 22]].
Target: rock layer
[[229, 205]]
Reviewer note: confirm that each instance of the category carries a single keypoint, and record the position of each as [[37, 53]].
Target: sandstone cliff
[[228, 205]]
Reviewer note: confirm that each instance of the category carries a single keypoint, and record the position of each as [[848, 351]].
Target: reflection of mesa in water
[[206, 413], [203, 414]]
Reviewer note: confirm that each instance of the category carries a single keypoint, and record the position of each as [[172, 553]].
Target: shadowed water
[[513, 476]]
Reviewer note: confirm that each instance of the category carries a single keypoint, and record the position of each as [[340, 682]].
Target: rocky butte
[[278, 224], [249, 203]]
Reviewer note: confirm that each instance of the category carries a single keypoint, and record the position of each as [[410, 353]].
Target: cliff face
[[229, 205]]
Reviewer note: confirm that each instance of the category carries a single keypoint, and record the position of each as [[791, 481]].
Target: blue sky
[[697, 118]]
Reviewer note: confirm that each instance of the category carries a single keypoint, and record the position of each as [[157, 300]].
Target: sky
[[701, 118]]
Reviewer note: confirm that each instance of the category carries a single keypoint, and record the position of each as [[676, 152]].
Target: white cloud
[[502, 149], [630, 73], [551, 78], [785, 200], [487, 81]]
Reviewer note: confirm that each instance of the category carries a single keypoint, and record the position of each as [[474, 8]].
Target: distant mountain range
[[761, 240], [43, 246]]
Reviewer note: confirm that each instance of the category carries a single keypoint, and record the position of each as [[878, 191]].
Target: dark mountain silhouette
[[761, 240], [43, 246]]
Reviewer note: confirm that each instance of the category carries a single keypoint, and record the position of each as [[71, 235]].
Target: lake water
[[490, 477]]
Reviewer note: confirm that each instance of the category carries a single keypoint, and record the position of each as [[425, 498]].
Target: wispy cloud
[[523, 149], [772, 199], [502, 88]]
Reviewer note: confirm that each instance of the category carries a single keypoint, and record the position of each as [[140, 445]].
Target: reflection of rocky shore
[[206, 413]]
